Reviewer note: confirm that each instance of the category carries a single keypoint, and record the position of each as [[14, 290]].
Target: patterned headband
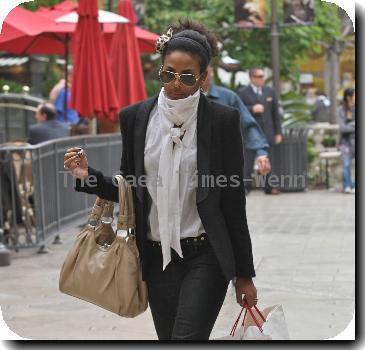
[[162, 40]]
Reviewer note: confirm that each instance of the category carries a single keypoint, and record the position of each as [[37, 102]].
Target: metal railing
[[37, 195]]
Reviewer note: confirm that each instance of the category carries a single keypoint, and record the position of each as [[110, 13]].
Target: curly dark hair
[[194, 38]]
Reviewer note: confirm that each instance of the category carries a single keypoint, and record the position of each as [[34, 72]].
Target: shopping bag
[[268, 324]]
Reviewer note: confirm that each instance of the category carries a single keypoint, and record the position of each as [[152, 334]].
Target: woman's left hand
[[246, 291]]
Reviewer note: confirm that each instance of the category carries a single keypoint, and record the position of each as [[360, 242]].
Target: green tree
[[250, 46]]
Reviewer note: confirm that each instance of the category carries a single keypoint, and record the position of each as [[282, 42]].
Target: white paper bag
[[274, 328]]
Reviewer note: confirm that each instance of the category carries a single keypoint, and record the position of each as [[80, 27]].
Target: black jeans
[[186, 298]]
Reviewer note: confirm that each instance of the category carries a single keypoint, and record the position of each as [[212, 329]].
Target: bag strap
[[260, 313], [101, 208], [233, 330], [253, 317], [126, 218], [247, 308]]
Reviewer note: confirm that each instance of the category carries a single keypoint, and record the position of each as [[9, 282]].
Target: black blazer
[[221, 209], [269, 120]]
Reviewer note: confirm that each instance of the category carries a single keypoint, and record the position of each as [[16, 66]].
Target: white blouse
[[190, 223]]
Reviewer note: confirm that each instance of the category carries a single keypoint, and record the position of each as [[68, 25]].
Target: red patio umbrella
[[21, 27], [26, 33], [92, 90], [146, 39], [125, 59], [65, 6]]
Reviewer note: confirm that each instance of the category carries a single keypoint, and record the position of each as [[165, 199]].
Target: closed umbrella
[[125, 59], [92, 91]]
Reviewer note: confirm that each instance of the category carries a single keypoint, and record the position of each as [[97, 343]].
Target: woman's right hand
[[75, 161]]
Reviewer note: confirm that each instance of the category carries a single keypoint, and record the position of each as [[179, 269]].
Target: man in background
[[47, 127], [252, 135], [262, 102]]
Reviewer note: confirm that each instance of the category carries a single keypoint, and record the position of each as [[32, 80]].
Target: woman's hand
[[263, 165], [246, 292], [75, 161]]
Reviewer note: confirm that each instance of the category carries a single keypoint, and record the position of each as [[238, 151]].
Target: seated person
[[47, 127]]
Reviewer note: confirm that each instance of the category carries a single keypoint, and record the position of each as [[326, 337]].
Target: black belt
[[202, 238]]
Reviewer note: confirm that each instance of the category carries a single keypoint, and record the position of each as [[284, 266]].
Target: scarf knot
[[176, 134]]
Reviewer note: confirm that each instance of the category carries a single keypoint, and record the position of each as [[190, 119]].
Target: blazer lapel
[[140, 130], [204, 125]]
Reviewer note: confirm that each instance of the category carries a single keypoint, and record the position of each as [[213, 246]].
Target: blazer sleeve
[[253, 136], [233, 200], [99, 184]]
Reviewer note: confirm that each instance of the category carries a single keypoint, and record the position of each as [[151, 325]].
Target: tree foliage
[[252, 47]]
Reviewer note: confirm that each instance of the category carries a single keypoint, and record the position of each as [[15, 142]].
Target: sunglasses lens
[[167, 77], [188, 79]]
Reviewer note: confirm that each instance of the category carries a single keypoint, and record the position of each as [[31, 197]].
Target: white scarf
[[170, 112]]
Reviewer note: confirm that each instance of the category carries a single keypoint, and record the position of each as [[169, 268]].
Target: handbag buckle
[[106, 219], [122, 233], [93, 222]]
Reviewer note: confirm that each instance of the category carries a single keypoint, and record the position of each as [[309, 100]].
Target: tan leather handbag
[[103, 267]]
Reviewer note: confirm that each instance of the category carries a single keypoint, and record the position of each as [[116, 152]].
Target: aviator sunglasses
[[187, 79]]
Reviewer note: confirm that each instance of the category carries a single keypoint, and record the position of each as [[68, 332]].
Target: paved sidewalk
[[304, 251]]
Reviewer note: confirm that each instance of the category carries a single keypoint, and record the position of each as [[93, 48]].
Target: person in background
[[346, 121], [320, 112], [57, 97], [252, 135], [262, 102], [47, 127]]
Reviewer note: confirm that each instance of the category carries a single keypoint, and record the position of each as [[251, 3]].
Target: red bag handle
[[233, 330], [245, 306]]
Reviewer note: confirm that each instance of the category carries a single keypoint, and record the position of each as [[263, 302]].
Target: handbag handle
[[101, 208], [247, 308], [126, 218]]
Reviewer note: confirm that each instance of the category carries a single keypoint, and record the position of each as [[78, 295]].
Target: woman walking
[[346, 121], [191, 226]]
